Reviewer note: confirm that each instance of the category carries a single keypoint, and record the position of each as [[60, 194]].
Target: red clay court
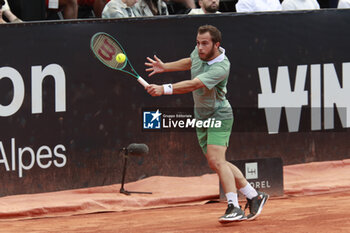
[[317, 199]]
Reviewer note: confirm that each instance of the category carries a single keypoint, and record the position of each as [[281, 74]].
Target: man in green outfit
[[210, 70]]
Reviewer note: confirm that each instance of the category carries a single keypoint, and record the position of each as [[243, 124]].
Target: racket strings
[[106, 50]]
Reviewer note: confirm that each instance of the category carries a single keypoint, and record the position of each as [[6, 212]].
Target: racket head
[[106, 48]]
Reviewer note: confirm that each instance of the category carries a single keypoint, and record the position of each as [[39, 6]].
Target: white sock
[[249, 191], [232, 198]]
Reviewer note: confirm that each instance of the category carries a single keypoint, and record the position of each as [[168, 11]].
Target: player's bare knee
[[215, 165], [212, 164]]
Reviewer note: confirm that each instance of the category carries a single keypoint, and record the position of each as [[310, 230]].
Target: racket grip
[[142, 81]]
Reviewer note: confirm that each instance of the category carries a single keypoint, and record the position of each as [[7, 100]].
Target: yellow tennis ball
[[120, 57]]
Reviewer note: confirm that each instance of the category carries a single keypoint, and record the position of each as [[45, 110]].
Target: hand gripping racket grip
[[142, 81]]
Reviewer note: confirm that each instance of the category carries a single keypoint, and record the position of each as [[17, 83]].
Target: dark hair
[[2, 2], [213, 31]]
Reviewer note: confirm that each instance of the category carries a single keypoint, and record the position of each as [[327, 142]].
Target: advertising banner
[[65, 116]]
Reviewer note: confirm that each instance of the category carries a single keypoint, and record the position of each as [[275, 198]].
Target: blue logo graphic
[[151, 119]]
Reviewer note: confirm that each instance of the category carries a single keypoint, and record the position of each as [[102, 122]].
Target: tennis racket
[[106, 48]]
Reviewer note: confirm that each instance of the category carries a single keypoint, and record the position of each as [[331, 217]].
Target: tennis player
[[210, 70]]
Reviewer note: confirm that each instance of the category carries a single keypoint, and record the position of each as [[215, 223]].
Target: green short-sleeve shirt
[[210, 101]]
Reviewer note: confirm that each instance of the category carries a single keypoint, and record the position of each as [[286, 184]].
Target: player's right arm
[[157, 66]]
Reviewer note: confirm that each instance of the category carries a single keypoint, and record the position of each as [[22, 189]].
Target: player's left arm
[[176, 88]]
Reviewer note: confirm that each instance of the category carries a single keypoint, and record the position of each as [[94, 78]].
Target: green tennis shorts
[[215, 136]]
